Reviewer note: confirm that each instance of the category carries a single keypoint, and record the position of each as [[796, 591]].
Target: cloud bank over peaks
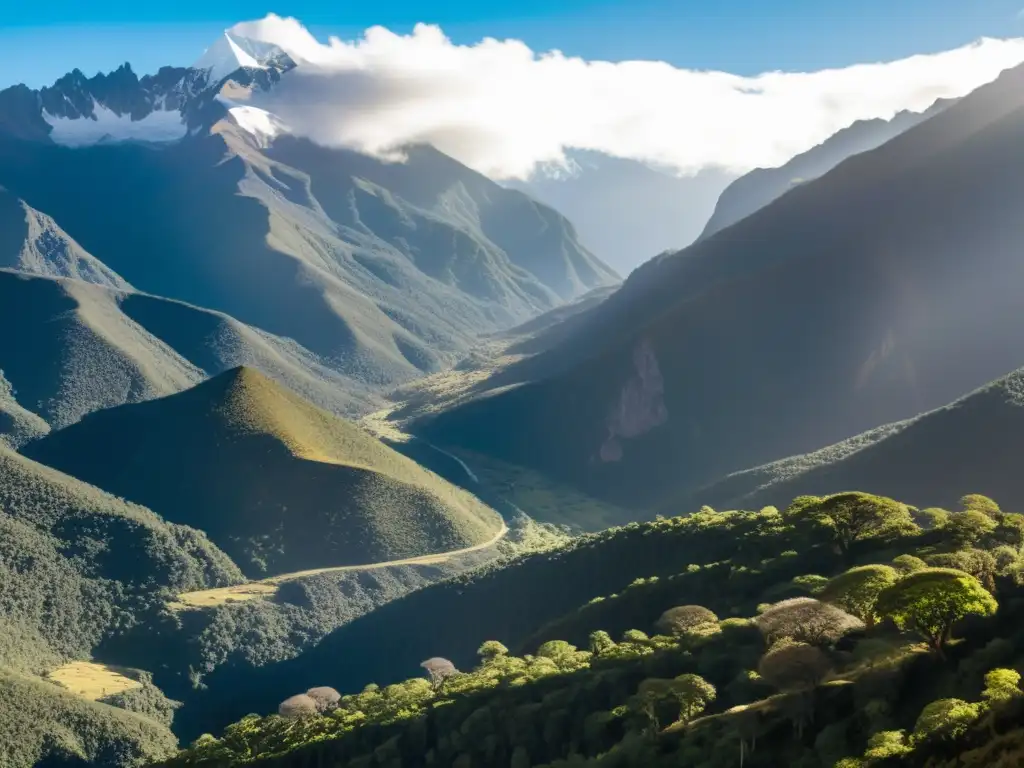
[[502, 108]]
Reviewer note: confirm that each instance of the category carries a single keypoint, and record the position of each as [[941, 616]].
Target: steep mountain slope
[[932, 460], [44, 725], [625, 211], [279, 484], [762, 185], [74, 348], [77, 565], [32, 242], [70, 350], [892, 291], [382, 285]]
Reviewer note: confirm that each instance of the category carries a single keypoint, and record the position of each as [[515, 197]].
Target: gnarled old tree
[[806, 620], [439, 670]]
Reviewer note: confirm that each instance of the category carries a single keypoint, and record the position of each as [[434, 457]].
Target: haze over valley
[[410, 396]]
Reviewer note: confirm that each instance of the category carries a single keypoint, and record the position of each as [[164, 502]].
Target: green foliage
[[41, 722], [978, 503], [146, 700], [908, 564], [1001, 685], [810, 583], [969, 527], [929, 602], [980, 564], [856, 591], [887, 744], [945, 719], [848, 518], [687, 619]]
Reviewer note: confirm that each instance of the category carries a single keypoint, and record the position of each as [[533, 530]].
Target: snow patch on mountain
[[262, 125], [105, 125]]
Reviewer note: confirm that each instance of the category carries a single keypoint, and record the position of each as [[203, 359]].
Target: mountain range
[[235, 364], [828, 312], [372, 272]]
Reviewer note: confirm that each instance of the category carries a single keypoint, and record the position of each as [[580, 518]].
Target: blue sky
[[40, 41]]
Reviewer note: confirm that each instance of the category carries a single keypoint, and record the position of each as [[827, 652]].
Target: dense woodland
[[847, 630]]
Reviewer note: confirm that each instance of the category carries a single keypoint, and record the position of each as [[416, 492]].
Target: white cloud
[[502, 108]]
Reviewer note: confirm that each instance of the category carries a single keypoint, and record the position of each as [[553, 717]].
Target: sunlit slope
[[276, 482], [886, 288], [70, 348]]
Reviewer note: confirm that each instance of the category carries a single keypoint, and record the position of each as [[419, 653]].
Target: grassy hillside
[[931, 460], [43, 725], [833, 310], [279, 484], [854, 677]]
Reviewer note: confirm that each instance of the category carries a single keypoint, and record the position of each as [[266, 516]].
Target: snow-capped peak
[[224, 57]]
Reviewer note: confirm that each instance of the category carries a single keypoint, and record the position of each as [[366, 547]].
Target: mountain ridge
[[279, 484]]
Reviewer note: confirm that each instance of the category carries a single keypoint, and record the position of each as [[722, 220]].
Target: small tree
[[298, 707], [326, 698], [694, 694], [686, 620], [439, 670], [1001, 685], [491, 650], [931, 601], [887, 744], [806, 620], [945, 719], [792, 666], [691, 692], [857, 590], [565, 656], [601, 642]]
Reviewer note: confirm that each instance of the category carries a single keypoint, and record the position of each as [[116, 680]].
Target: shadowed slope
[[32, 242], [761, 186], [77, 565], [278, 483], [933, 460]]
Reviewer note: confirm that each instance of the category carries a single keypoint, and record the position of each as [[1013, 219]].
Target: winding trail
[[265, 588], [208, 598]]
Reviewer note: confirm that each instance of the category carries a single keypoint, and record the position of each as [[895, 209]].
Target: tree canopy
[[931, 601], [856, 591]]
